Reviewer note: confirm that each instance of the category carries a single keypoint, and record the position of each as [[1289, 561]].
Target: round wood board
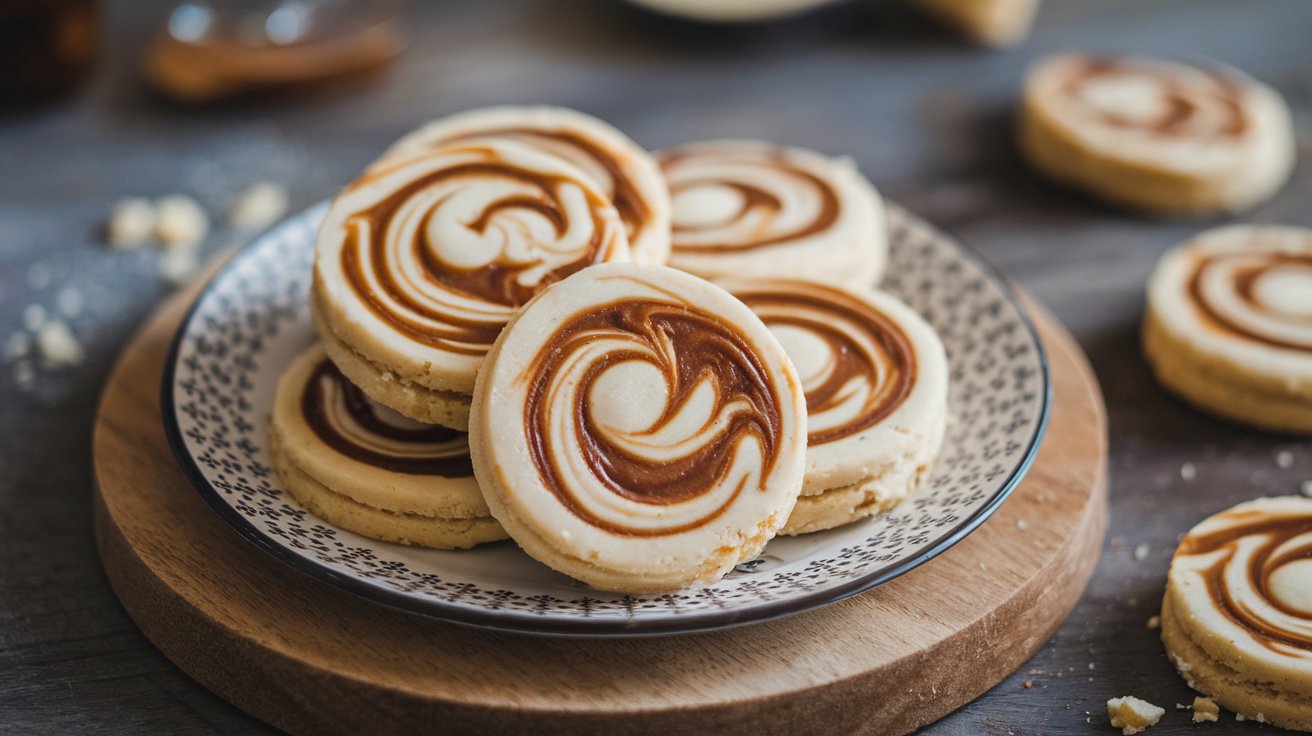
[[309, 658]]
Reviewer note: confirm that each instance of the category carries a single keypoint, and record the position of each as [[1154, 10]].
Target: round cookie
[[876, 383], [419, 266], [622, 169], [744, 209], [1237, 616], [1229, 325], [363, 468], [639, 429], [1164, 137]]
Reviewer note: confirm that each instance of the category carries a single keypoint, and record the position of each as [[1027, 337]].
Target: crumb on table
[[1132, 715]]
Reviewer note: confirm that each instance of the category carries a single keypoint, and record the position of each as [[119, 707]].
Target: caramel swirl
[[738, 200], [1257, 568], [444, 247], [593, 416], [1159, 99], [1264, 297], [347, 421], [856, 363], [596, 161]]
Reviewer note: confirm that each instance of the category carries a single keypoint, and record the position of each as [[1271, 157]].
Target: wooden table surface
[[928, 119]]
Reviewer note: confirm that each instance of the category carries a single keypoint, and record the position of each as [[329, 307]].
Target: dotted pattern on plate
[[255, 317]]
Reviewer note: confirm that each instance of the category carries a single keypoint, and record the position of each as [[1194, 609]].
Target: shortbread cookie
[[1237, 617], [1159, 136], [743, 209], [989, 22], [418, 266], [876, 384], [1229, 324], [639, 429], [626, 172], [369, 470]]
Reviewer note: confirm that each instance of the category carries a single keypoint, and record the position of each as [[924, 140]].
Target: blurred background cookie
[[1159, 136], [1229, 324]]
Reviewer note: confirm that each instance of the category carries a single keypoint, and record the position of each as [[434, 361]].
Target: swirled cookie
[[369, 470], [876, 384], [627, 173], [419, 266], [1160, 136], [1229, 324], [639, 429], [743, 209], [1237, 617]]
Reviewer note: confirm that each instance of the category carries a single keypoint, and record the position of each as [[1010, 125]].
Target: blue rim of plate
[[517, 623]]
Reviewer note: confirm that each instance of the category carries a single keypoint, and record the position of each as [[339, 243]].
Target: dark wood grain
[[929, 120]]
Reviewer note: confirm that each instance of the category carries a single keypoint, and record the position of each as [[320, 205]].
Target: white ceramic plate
[[253, 318]]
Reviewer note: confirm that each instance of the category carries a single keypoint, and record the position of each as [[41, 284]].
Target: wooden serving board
[[309, 658]]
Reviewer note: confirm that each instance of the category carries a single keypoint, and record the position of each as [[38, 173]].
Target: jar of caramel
[[46, 48]]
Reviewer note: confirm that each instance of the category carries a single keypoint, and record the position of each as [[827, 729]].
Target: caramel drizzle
[[1245, 280], [754, 197], [1181, 107], [1277, 533], [633, 209], [314, 407], [496, 282], [705, 347], [819, 313]]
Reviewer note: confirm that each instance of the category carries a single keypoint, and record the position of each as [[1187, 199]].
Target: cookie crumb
[[179, 264], [1205, 709], [258, 207], [1188, 472], [1028, 684], [180, 221], [1284, 459], [1141, 552], [130, 223], [1155, 622], [57, 345], [1132, 715]]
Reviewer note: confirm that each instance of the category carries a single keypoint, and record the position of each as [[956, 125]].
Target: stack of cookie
[[638, 426]]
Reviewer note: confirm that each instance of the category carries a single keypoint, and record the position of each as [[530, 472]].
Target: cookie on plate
[[1237, 616], [1229, 324], [622, 169], [744, 209], [1160, 136], [639, 429], [369, 470], [418, 266], [876, 384]]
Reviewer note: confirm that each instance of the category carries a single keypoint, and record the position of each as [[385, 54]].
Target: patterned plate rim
[[524, 623]]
